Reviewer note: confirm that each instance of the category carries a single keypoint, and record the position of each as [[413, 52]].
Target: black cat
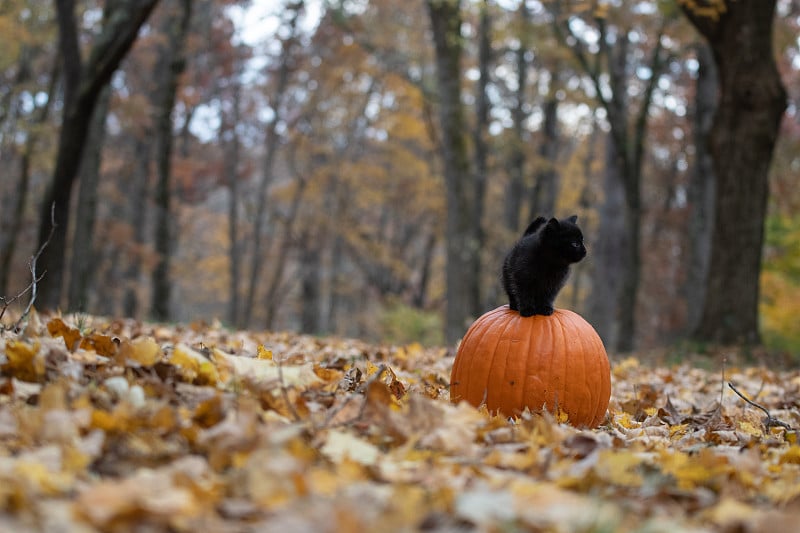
[[537, 266]]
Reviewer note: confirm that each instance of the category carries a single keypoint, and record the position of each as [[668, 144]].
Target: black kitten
[[537, 266]]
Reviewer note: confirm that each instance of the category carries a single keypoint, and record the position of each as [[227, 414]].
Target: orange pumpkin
[[556, 362]]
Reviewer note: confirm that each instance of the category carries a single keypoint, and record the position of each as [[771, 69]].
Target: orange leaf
[[71, 336]]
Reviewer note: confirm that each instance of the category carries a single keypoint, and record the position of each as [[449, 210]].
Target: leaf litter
[[118, 425]]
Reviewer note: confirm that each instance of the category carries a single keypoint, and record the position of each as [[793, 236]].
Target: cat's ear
[[553, 223], [573, 219]]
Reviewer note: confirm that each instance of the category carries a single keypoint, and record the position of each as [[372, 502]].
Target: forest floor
[[118, 425]]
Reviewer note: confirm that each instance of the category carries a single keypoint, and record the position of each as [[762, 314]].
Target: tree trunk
[[701, 188], [82, 250], [137, 215], [82, 85], [231, 175], [310, 281], [545, 188], [628, 134], [445, 17], [421, 291], [272, 298], [272, 141], [607, 253], [481, 150], [9, 239], [752, 101], [174, 63], [516, 159]]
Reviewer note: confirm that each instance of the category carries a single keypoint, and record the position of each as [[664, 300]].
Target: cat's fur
[[537, 266]]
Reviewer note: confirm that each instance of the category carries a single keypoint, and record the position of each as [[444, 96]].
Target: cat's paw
[[527, 311], [545, 310]]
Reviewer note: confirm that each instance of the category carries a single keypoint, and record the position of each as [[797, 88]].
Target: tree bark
[[445, 18], [137, 215], [310, 282], [516, 159], [231, 148], [607, 253], [700, 191], [82, 249], [545, 187], [481, 150], [174, 63], [752, 100], [82, 85]]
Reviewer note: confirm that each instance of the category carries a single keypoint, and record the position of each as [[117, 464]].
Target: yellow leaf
[[192, 365], [142, 350], [619, 467], [624, 367], [25, 362], [730, 512], [625, 420], [263, 353], [792, 455], [691, 471], [562, 417], [43, 478], [678, 430], [371, 369], [104, 420], [749, 428]]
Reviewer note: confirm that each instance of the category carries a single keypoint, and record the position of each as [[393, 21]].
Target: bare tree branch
[[35, 279]]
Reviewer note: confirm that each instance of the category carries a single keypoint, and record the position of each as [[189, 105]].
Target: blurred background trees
[[361, 168]]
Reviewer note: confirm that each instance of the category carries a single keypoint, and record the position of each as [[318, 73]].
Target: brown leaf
[[71, 336]]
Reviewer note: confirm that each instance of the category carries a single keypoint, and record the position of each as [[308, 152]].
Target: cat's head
[[565, 237]]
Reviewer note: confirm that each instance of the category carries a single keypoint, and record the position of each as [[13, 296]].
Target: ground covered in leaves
[[124, 426]]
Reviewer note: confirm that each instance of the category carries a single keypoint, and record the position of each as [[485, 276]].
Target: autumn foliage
[[120, 425]]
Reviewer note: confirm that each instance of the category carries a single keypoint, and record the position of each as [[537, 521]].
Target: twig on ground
[[770, 420], [6, 302], [33, 285], [32, 265]]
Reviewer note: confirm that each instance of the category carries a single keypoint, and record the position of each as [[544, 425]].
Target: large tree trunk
[[701, 188], [82, 86], [82, 249], [752, 101], [174, 63], [445, 17]]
